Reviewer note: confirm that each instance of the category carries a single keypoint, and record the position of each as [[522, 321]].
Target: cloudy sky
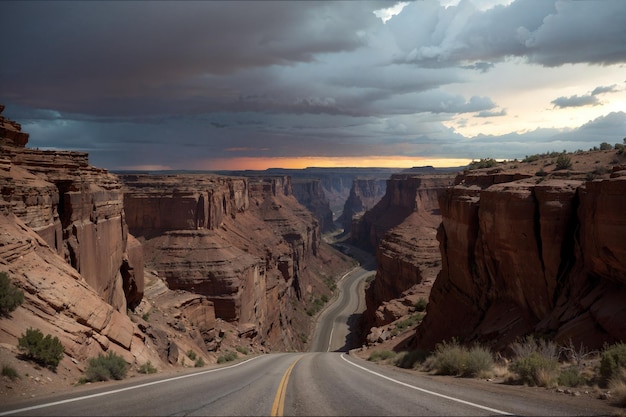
[[252, 85]]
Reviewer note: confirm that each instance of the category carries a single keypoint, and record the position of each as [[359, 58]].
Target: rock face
[[64, 242], [403, 228], [310, 194], [522, 255], [405, 194], [244, 243], [59, 301], [77, 209], [364, 195]]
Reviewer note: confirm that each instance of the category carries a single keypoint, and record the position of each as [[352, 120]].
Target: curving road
[[313, 383], [337, 325]]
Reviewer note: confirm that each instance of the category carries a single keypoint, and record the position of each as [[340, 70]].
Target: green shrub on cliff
[[536, 362], [45, 350], [563, 161], [105, 367], [11, 297], [612, 360], [451, 358]]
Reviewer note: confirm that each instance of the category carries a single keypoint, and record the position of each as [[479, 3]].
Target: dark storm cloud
[[121, 51], [590, 99], [575, 101], [176, 83], [547, 32]]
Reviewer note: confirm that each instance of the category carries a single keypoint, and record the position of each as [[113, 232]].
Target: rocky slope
[[78, 210], [402, 227], [310, 194], [364, 195], [64, 242], [244, 243], [532, 254]]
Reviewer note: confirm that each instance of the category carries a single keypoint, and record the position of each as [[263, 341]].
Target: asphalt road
[[337, 325], [323, 383]]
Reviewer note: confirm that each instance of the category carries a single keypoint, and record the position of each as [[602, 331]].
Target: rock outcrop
[[244, 243], [310, 194], [64, 242], [522, 255], [58, 301], [77, 209], [403, 228], [364, 195], [405, 194]]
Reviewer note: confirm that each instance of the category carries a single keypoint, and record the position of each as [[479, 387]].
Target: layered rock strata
[[364, 195], [403, 228], [310, 194], [58, 301], [244, 243], [523, 255], [78, 210]]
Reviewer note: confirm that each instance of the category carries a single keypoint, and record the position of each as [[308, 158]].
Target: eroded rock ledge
[[521, 255], [244, 243]]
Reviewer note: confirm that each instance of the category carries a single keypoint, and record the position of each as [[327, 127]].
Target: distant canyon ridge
[[155, 265]]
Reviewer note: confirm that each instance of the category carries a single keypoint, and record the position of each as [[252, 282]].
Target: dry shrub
[[617, 385], [536, 362], [450, 358]]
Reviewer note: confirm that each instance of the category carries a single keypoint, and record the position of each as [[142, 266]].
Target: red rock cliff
[[403, 227], [64, 242], [78, 210], [364, 195], [244, 243], [522, 255]]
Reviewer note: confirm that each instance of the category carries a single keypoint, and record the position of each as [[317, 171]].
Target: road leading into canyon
[[325, 381], [337, 326], [322, 383]]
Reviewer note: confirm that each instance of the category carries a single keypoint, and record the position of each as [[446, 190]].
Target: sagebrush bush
[[409, 360], [241, 349], [45, 350], [563, 161], [612, 360], [617, 385], [199, 363], [450, 358], [11, 297], [105, 367], [479, 360], [227, 357], [191, 354], [535, 369], [381, 355], [10, 372], [147, 368], [571, 377], [420, 305]]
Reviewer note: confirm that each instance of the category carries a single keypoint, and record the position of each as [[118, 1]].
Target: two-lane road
[[336, 328], [324, 383]]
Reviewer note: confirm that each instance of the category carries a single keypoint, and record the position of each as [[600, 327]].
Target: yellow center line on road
[[278, 408]]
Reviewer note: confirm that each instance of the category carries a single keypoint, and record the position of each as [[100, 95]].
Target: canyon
[[211, 263], [503, 252], [163, 267], [523, 254]]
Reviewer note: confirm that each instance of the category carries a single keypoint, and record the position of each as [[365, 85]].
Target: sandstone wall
[[59, 302], [310, 194], [405, 194], [364, 195], [246, 250], [522, 256], [403, 226], [78, 211]]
